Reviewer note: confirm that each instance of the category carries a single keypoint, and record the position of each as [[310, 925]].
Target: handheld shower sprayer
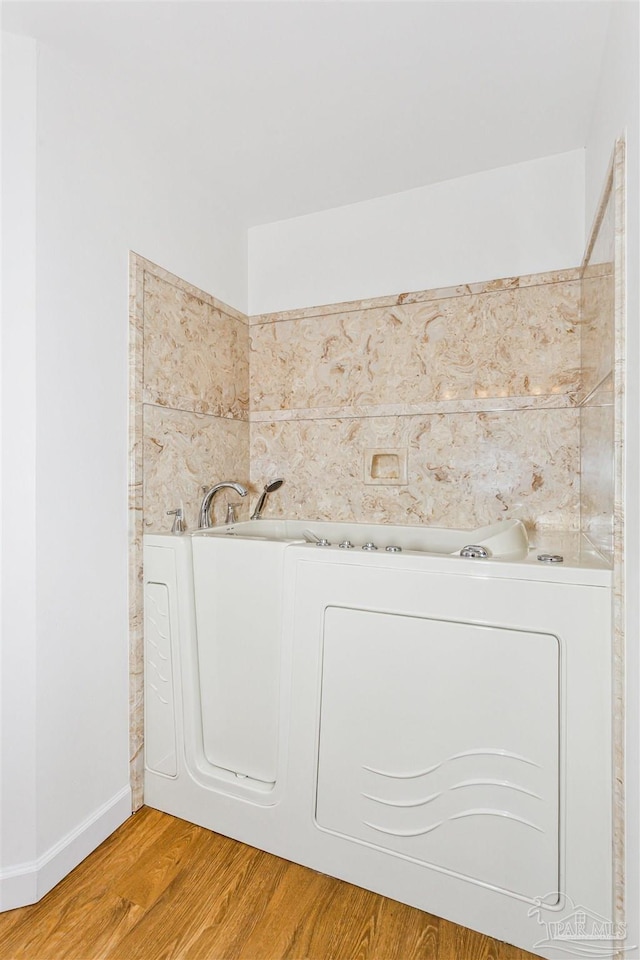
[[270, 487]]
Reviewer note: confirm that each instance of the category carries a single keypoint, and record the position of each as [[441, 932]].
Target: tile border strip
[[421, 296], [432, 408]]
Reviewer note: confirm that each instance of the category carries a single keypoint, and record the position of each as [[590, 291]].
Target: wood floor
[[162, 888]]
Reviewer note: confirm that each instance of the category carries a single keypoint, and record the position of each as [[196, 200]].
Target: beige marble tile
[[184, 451], [551, 276], [161, 274], [195, 354], [597, 335], [464, 470], [492, 345], [476, 405], [597, 468], [421, 296], [597, 302]]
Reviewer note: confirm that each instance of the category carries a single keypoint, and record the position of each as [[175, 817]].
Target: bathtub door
[[238, 588]]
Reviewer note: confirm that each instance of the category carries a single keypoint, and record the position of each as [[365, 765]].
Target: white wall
[[514, 220], [101, 189], [18, 444], [616, 113]]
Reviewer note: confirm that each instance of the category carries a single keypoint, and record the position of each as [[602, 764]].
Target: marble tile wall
[[511, 343], [464, 469], [195, 351], [478, 384], [195, 395], [597, 424], [597, 421], [189, 409], [181, 449]]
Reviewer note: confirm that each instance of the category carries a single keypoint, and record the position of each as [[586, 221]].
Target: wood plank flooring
[[163, 889]]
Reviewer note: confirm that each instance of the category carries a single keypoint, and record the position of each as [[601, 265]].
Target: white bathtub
[[431, 727], [507, 540]]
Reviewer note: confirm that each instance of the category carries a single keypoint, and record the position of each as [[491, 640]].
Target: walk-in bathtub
[[433, 727]]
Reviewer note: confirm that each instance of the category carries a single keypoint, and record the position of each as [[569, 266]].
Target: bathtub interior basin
[[507, 539]]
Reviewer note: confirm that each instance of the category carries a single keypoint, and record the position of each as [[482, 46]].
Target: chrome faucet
[[268, 488], [204, 521]]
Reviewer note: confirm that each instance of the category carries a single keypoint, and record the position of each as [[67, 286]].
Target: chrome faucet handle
[[178, 520], [474, 551], [231, 513]]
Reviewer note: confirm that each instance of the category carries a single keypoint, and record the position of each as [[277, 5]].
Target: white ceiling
[[293, 107]]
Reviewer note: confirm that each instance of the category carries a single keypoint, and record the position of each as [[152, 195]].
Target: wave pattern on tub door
[[495, 785]]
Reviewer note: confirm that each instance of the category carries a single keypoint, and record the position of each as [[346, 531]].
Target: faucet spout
[[204, 521]]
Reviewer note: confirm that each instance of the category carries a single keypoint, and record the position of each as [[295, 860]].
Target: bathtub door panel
[[238, 587], [439, 741]]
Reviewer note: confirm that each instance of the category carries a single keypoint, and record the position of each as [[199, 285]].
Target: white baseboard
[[18, 886], [29, 882]]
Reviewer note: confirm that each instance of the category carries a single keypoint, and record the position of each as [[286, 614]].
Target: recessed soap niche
[[386, 467]]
